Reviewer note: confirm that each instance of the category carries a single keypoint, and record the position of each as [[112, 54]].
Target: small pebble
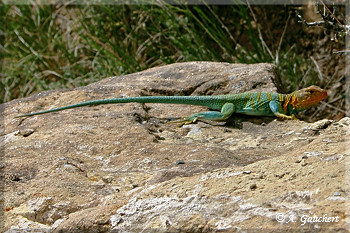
[[253, 186], [26, 132], [180, 162], [336, 194]]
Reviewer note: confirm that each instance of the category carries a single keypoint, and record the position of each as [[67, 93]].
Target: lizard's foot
[[226, 112], [294, 118], [285, 117], [184, 121]]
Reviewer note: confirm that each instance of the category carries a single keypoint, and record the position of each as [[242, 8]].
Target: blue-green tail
[[213, 102]]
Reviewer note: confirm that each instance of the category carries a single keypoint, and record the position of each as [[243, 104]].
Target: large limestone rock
[[123, 168]]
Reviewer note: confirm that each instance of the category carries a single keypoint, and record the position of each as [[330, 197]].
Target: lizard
[[283, 106]]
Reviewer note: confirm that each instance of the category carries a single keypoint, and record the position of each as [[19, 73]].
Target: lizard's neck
[[290, 103]]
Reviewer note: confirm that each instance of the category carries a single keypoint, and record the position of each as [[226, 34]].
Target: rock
[[115, 168]]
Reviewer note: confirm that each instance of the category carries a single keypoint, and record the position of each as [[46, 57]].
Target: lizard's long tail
[[213, 102]]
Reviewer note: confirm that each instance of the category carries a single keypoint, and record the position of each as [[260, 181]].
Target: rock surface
[[123, 168]]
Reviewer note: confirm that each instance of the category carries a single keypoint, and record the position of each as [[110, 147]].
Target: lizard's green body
[[249, 103]]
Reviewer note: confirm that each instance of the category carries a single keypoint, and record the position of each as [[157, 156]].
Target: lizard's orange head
[[307, 97]]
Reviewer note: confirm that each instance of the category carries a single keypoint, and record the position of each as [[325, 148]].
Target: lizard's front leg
[[277, 110], [226, 111]]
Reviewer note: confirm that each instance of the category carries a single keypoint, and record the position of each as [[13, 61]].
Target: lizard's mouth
[[321, 96], [308, 100]]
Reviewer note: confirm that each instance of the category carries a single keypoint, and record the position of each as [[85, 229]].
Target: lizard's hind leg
[[226, 111]]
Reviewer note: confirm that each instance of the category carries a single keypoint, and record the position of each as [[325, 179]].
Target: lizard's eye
[[311, 91]]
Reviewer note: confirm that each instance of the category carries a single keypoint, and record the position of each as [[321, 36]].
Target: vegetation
[[65, 46]]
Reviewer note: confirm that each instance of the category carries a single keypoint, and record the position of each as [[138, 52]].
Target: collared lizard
[[283, 106]]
